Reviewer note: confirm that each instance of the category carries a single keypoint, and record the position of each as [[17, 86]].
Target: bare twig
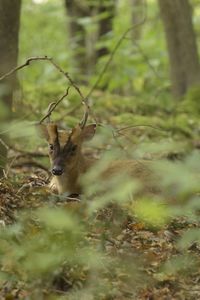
[[46, 58], [134, 126], [4, 144], [73, 199], [66, 74], [49, 111], [122, 38], [146, 59], [27, 63], [55, 104]]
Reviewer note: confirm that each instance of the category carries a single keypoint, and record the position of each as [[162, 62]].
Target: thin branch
[[4, 144], [73, 199], [118, 44], [46, 58], [134, 126], [54, 106], [66, 74], [147, 60], [27, 63]]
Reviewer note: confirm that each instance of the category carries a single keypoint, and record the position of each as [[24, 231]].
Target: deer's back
[[140, 170]]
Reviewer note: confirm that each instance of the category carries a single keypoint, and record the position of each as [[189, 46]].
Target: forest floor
[[132, 240], [137, 253]]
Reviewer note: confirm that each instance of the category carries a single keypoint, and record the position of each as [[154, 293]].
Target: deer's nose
[[57, 170]]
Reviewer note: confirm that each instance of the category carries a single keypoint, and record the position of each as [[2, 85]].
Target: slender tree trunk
[[85, 55], [183, 55], [75, 11], [105, 24], [9, 31], [137, 7]]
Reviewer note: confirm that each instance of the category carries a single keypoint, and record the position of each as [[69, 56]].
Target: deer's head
[[65, 147]]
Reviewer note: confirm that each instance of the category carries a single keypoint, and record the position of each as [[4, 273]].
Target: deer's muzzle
[[57, 170]]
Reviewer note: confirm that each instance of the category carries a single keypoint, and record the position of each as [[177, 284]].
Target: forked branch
[[66, 74], [53, 105], [46, 58]]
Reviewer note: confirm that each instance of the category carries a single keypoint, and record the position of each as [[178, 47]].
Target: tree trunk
[[75, 11], [86, 56], [183, 55], [9, 31], [105, 24], [137, 7]]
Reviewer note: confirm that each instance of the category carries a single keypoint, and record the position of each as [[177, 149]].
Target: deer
[[69, 164]]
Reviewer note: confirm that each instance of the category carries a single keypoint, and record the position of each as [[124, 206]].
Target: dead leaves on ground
[[150, 249]]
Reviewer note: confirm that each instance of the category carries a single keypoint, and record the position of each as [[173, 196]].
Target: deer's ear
[[43, 131], [88, 132]]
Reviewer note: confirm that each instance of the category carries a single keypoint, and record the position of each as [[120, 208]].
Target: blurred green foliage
[[137, 83], [49, 243], [45, 244]]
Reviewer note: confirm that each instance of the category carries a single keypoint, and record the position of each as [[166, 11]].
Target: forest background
[[137, 63]]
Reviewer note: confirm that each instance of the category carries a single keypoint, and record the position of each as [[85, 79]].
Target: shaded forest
[[99, 149]]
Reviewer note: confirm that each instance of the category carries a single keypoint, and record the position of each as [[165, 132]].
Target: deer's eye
[[51, 147], [73, 149]]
